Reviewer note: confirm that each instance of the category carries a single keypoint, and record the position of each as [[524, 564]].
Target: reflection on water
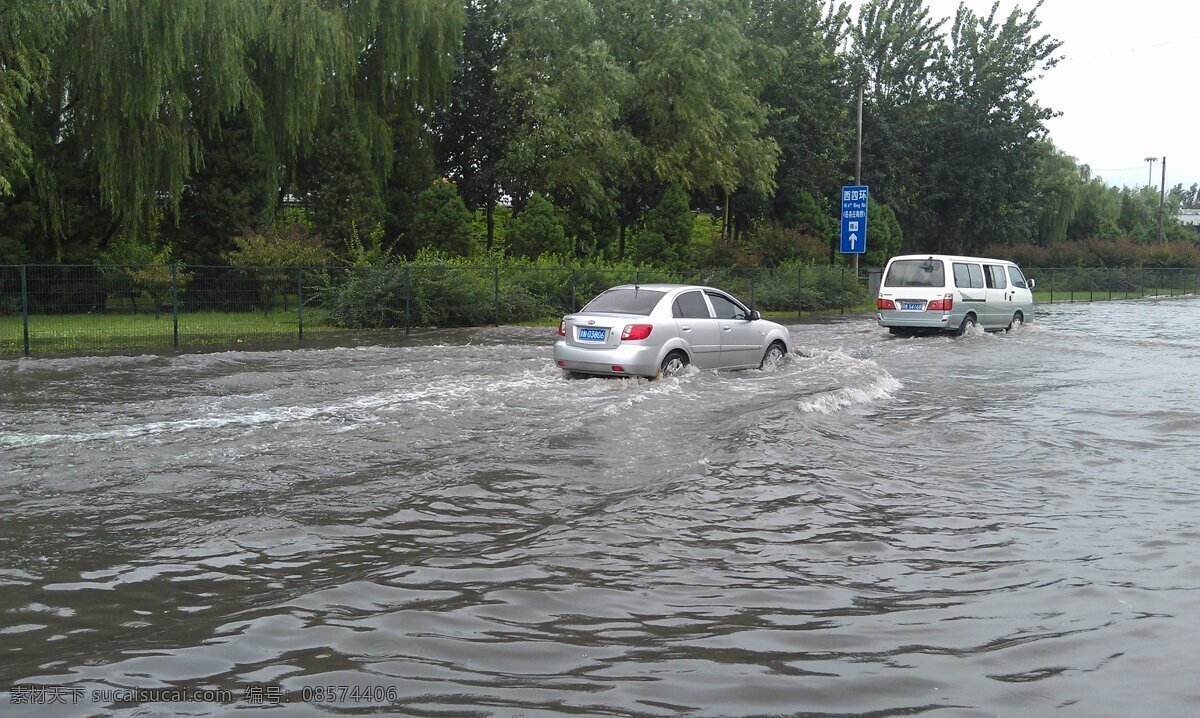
[[995, 524]]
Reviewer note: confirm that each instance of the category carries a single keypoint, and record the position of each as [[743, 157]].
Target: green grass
[[66, 333]]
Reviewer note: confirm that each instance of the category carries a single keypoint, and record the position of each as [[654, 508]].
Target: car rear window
[[625, 301], [916, 273]]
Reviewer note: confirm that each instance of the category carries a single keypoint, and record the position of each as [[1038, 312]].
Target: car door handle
[[726, 328], [685, 328]]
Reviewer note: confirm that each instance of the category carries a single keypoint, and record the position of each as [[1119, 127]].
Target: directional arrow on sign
[[853, 241]]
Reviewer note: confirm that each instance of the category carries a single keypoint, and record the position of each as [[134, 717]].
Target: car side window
[[976, 273], [1018, 279], [995, 276], [725, 308], [690, 305]]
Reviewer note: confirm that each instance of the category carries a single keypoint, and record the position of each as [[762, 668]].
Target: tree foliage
[[581, 124]]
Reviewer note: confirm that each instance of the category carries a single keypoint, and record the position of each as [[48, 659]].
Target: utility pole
[[858, 161], [1150, 173], [1162, 201]]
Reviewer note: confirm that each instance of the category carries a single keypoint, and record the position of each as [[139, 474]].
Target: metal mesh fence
[[48, 309]]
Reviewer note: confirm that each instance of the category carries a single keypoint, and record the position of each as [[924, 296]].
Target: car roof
[[661, 287]]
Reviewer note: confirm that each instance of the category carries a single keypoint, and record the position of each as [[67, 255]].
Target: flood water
[[993, 525]]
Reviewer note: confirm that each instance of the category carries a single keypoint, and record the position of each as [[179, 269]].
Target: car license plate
[[592, 335], [911, 306]]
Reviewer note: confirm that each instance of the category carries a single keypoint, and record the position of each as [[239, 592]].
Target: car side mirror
[[1029, 283], [755, 316]]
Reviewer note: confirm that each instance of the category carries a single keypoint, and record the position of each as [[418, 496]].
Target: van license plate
[[911, 306], [593, 335]]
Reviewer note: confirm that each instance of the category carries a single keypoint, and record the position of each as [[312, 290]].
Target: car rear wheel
[[968, 323], [673, 364], [1017, 320], [773, 357]]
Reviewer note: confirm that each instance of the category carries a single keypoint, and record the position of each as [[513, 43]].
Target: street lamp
[[1150, 174]]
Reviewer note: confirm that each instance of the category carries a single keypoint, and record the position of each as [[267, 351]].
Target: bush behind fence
[[55, 308]]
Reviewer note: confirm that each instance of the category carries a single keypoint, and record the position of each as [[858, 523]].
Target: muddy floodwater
[[1000, 524]]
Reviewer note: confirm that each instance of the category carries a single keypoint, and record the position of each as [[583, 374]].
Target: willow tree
[[145, 84], [28, 29]]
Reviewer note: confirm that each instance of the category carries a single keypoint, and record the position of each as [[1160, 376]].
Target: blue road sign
[[854, 219]]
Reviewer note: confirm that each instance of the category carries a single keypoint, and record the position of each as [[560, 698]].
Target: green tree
[[341, 185], [884, 235], [672, 220], [983, 178], [234, 190], [29, 29], [1057, 190], [142, 84], [476, 127], [139, 267], [537, 230], [696, 114], [271, 257], [895, 52], [807, 96], [569, 91], [442, 222]]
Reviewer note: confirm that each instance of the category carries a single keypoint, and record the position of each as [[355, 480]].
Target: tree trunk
[[621, 241], [726, 232]]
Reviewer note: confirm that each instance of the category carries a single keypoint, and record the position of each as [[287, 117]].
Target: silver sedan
[[652, 329]]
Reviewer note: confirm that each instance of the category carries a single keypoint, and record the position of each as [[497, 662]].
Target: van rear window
[[916, 273], [625, 301]]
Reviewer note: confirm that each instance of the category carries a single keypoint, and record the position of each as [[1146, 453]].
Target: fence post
[[496, 293], [1126, 282], [573, 305], [799, 295], [175, 306], [752, 273], [25, 307], [300, 303], [1110, 282], [1052, 286], [1090, 285], [637, 277], [407, 299], [842, 293]]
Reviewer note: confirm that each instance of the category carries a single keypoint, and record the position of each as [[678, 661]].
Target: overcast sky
[[1128, 86]]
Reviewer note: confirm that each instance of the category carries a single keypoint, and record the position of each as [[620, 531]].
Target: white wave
[[861, 380]]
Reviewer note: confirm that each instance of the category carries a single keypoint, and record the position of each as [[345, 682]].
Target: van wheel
[[774, 356], [968, 323], [673, 364], [1017, 320]]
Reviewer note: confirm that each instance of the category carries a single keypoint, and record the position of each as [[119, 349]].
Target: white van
[[931, 292]]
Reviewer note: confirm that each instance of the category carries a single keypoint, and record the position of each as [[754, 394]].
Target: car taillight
[[884, 304], [941, 305], [633, 332], [562, 328]]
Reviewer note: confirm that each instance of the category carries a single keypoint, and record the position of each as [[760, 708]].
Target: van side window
[[995, 276], [1017, 278], [976, 272], [962, 278]]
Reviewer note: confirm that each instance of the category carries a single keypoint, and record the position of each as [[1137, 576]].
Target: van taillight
[[633, 332], [562, 328], [884, 304], [941, 305]]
